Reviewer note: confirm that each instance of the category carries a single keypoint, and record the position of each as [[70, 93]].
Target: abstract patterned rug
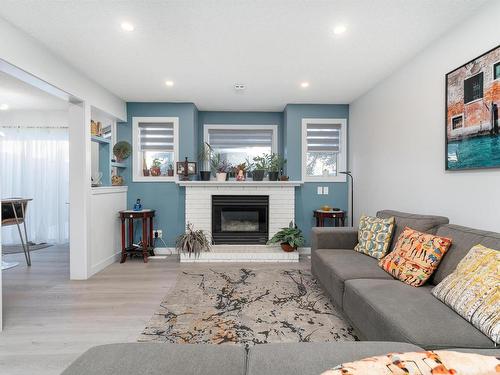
[[247, 306]]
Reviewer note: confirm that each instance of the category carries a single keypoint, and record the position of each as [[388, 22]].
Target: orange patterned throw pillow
[[415, 256]]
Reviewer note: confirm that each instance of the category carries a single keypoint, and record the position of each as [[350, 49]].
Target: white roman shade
[[233, 138], [158, 136], [323, 137]]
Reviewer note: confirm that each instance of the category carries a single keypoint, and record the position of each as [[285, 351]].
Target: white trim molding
[[342, 155], [137, 175]]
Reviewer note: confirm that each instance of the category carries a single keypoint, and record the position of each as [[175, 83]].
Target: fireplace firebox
[[240, 219]]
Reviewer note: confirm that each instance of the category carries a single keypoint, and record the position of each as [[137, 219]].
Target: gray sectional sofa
[[385, 309], [382, 310]]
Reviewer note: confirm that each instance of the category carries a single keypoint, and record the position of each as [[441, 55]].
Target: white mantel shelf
[[239, 183]]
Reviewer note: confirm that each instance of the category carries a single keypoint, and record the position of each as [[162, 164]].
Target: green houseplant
[[220, 167], [289, 238], [193, 241], [275, 163], [156, 168], [204, 157], [122, 150], [260, 167]]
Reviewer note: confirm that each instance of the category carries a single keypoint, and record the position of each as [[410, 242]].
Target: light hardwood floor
[[49, 320]]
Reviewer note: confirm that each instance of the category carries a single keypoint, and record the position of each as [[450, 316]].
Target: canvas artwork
[[472, 100]]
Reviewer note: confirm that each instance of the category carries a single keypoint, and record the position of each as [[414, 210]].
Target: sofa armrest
[[334, 238]]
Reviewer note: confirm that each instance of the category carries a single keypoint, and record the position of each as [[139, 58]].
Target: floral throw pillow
[[473, 290], [421, 363], [374, 236], [415, 256]]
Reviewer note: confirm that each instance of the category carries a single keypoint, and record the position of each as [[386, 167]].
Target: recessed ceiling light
[[304, 85], [4, 107], [127, 26], [169, 83], [339, 29]]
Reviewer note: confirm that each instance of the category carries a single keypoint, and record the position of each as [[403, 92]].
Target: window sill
[[153, 179], [326, 179]]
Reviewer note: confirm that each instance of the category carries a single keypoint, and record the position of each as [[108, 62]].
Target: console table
[[338, 217], [128, 247]]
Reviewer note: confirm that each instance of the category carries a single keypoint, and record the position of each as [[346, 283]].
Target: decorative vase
[[287, 247], [221, 176], [284, 178], [155, 171], [145, 172], [273, 176], [170, 172], [258, 174], [241, 175], [205, 175]]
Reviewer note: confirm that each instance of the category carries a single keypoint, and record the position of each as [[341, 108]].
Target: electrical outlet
[[320, 190], [325, 189], [157, 233]]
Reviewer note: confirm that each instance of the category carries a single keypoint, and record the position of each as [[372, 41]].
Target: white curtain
[[34, 163]]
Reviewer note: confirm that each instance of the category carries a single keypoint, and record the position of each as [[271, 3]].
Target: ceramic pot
[[155, 171], [287, 247], [170, 172], [205, 175], [273, 176], [258, 174], [221, 176]]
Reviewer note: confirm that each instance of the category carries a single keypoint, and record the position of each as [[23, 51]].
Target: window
[[473, 88], [155, 147], [324, 144], [496, 70], [237, 143]]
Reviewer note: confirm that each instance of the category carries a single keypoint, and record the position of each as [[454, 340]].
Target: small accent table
[[14, 213], [337, 216], [147, 238]]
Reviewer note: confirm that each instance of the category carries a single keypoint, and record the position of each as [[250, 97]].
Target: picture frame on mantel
[[472, 126]]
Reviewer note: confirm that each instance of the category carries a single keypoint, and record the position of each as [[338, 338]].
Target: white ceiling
[[205, 46], [22, 96]]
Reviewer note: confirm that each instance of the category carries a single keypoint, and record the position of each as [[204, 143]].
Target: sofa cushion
[[160, 359], [333, 268], [473, 290], [393, 311], [415, 256], [312, 358], [374, 236], [463, 240], [422, 223]]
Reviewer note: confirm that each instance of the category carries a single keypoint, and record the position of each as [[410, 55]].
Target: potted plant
[[260, 168], [240, 171], [289, 238], [204, 157], [275, 163], [170, 170], [193, 241], [250, 167], [122, 150], [156, 168], [220, 167]]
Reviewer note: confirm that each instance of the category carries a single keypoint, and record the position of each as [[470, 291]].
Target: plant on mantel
[[276, 163], [204, 157], [193, 241], [260, 168], [220, 166], [289, 238]]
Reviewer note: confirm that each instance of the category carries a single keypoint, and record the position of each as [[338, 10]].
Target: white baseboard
[[104, 263], [304, 250], [165, 250]]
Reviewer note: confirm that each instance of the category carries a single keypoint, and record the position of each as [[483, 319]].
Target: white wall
[[45, 119], [397, 138]]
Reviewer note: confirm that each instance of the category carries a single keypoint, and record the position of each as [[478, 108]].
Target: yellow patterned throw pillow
[[374, 236], [473, 290], [421, 363], [415, 256]]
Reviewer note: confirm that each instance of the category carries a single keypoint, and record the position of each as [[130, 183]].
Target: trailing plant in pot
[[122, 150], [289, 238], [260, 169], [193, 241], [275, 163], [220, 167], [204, 157], [156, 168], [170, 170]]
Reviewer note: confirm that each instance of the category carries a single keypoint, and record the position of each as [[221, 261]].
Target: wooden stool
[[337, 216], [147, 240]]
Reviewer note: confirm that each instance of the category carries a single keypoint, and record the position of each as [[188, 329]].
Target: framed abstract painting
[[472, 101]]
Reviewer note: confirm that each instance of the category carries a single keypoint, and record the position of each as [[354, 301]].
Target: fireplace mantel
[[264, 184]]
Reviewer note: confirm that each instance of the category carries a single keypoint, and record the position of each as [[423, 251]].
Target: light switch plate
[[320, 190], [325, 189]]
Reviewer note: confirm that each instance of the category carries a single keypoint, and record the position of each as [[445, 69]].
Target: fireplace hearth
[[240, 219]]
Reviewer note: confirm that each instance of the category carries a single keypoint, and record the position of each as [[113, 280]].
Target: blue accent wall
[[169, 199], [306, 197]]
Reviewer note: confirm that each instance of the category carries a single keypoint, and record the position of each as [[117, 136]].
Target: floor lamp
[[348, 173]]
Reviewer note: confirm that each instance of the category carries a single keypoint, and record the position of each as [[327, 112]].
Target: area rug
[[247, 307], [15, 249]]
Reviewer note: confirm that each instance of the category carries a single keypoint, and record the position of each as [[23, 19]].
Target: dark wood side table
[[147, 233], [338, 217]]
